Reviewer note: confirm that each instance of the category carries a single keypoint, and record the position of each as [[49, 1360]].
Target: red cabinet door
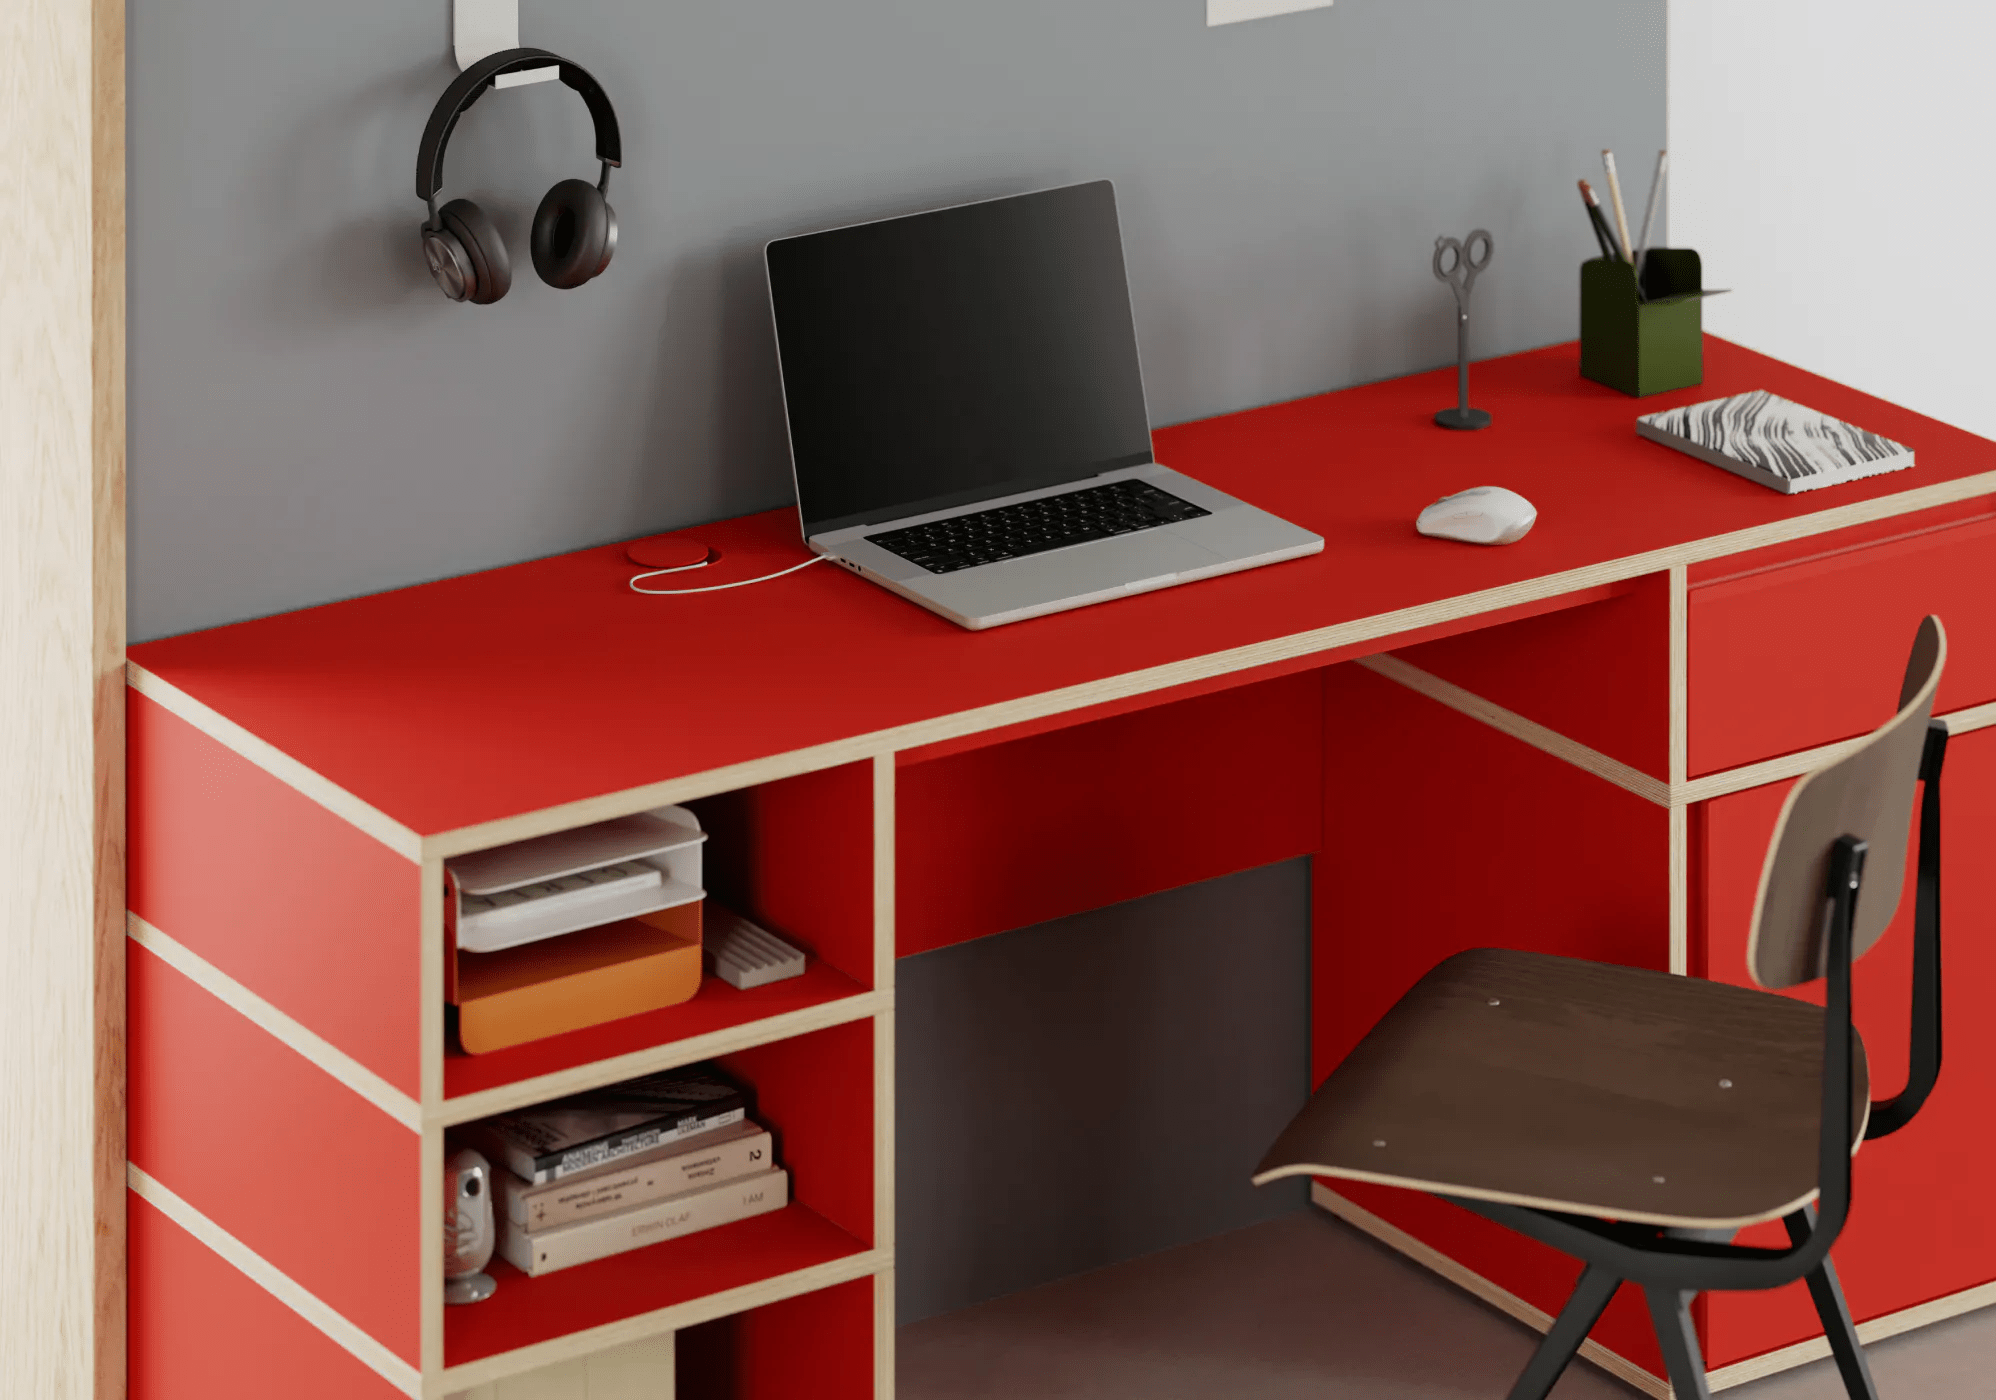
[[1920, 1227]]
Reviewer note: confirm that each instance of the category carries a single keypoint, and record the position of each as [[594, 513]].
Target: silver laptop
[[967, 420]]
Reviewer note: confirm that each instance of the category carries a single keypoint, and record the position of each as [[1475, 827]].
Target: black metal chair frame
[[1673, 1265]]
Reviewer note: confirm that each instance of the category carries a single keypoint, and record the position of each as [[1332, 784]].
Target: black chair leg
[[1670, 1314], [1835, 1314], [1568, 1331]]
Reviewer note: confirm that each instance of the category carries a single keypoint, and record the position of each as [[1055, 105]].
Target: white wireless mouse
[[1480, 515]]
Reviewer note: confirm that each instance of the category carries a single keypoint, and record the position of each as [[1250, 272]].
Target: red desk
[[1592, 728]]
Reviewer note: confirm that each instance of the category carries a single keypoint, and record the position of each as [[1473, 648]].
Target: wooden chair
[[1636, 1120]]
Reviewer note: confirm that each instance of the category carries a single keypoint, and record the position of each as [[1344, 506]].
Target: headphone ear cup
[[574, 234], [491, 269], [609, 241]]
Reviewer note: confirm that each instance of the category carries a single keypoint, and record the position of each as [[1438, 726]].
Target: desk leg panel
[[1442, 834], [277, 892], [202, 1330], [314, 1179]]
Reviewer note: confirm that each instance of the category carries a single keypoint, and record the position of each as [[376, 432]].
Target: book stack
[[623, 1167]]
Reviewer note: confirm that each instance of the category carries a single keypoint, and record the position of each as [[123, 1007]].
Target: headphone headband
[[471, 84]]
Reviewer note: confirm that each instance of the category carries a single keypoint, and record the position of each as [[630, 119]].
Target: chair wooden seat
[[1606, 1091]]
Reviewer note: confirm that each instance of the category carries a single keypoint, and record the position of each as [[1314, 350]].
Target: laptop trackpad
[[1148, 557]]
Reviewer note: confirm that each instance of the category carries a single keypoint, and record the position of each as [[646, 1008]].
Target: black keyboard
[[1034, 527]]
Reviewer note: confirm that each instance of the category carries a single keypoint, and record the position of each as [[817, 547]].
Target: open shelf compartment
[[816, 1094], [796, 856]]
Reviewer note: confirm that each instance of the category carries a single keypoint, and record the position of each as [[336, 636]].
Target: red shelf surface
[[649, 689], [716, 1006], [529, 1310]]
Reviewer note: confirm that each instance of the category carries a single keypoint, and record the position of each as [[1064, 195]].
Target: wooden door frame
[[62, 703]]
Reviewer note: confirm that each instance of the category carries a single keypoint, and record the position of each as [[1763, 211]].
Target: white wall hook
[[481, 27]]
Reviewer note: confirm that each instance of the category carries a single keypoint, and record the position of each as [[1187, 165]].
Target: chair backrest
[[1867, 794]]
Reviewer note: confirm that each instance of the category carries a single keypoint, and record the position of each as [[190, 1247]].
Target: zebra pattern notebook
[[1776, 442]]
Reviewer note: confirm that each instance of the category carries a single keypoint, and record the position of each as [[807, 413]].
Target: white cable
[[714, 587]]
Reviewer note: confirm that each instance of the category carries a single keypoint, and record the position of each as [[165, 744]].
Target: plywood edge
[[1969, 720], [279, 1285], [1680, 759], [1794, 765], [885, 837], [1680, 890], [276, 762], [883, 1128], [1876, 1329], [315, 1048], [430, 1153], [883, 1334], [1529, 731], [430, 1258], [464, 1108], [1474, 1283], [676, 1318], [1680, 674]]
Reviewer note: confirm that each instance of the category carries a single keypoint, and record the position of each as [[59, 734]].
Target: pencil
[[1621, 215], [1596, 221], [1649, 214]]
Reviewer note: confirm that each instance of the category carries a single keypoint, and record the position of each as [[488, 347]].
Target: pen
[[1621, 215], [1599, 221], [1649, 214]]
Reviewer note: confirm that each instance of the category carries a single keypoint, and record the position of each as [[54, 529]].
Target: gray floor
[[1304, 1308]]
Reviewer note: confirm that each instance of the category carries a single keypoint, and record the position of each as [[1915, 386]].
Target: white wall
[[1832, 160]]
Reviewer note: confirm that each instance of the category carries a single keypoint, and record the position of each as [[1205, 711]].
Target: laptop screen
[[955, 356]]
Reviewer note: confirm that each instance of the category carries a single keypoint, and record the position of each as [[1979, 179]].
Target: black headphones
[[575, 229]]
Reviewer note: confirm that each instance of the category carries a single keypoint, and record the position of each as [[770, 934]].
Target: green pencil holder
[[1643, 346]]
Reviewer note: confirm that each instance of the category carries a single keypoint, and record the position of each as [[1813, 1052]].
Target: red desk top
[[501, 693]]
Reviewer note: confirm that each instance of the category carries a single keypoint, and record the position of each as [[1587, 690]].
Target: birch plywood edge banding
[[883, 872], [62, 635], [594, 1075], [1876, 1329], [1794, 765], [677, 1318], [313, 1047], [280, 765], [1518, 727]]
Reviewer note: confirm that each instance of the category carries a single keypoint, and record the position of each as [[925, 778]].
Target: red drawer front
[[1919, 1227], [1807, 653]]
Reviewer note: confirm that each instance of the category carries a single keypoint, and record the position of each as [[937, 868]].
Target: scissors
[[1463, 264]]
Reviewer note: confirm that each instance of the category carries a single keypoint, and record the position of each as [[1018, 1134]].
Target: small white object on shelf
[[482, 27], [746, 955], [551, 885]]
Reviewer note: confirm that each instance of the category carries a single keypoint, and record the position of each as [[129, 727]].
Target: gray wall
[[311, 420], [1097, 1088]]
